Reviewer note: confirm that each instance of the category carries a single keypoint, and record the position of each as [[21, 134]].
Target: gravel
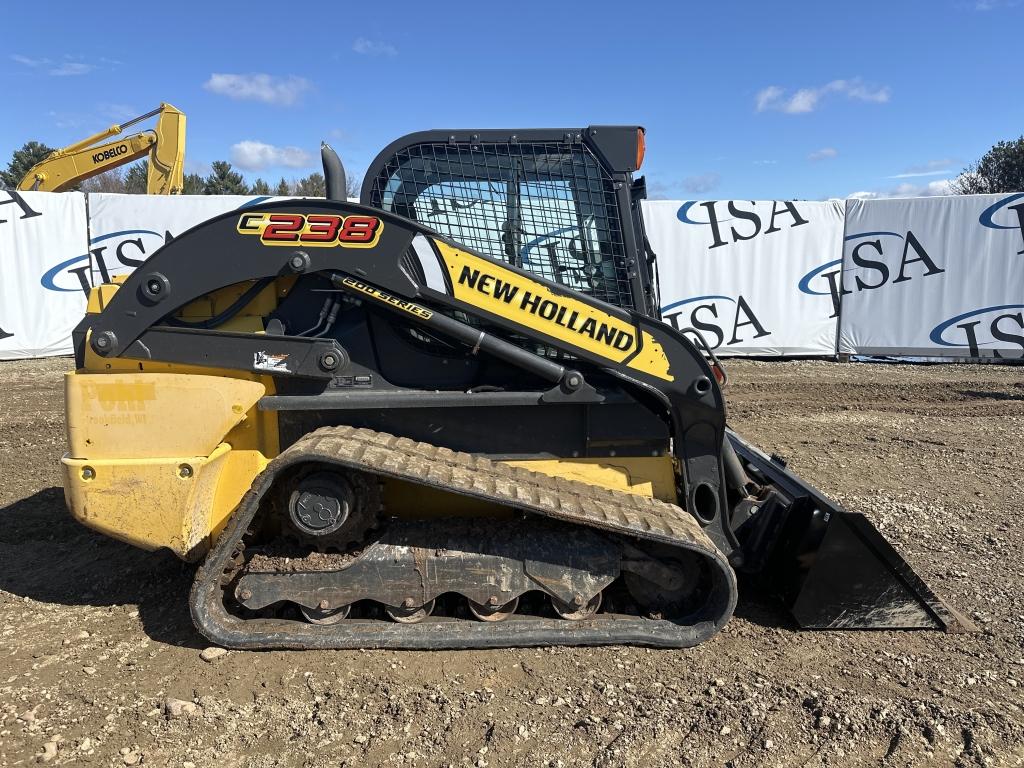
[[212, 653], [930, 453]]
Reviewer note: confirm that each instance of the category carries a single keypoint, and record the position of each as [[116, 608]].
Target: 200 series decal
[[319, 230]]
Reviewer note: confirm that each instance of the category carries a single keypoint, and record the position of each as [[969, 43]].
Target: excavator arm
[[164, 144]]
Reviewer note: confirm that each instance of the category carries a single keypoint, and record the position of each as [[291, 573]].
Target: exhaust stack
[[334, 173]]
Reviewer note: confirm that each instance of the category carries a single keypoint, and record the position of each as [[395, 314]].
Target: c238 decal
[[318, 230]]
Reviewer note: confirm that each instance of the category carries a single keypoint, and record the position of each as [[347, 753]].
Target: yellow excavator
[[164, 144]]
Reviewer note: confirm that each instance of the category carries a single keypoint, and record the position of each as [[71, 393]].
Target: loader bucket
[[832, 568]]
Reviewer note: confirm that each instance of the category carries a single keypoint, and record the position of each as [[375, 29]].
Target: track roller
[[578, 609], [487, 612], [409, 614], [325, 616]]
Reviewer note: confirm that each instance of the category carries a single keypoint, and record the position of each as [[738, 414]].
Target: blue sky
[[741, 100]]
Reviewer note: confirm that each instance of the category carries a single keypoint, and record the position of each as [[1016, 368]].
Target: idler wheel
[[674, 601]]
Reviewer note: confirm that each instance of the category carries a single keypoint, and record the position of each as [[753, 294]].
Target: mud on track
[[94, 635]]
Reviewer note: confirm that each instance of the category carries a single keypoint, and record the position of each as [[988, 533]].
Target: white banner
[[125, 229], [754, 278], [921, 277], [44, 255], [936, 277]]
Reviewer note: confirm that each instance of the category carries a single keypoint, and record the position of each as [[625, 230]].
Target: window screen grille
[[549, 208]]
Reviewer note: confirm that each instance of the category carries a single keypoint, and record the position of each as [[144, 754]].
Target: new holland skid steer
[[448, 416]]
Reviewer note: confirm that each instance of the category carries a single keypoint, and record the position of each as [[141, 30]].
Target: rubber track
[[400, 458]]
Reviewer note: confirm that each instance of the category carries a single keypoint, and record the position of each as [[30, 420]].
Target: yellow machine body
[[161, 459], [160, 454]]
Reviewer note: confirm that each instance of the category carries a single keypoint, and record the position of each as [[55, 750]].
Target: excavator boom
[[164, 144]]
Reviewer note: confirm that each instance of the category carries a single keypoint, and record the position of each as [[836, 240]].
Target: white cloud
[[68, 119], [918, 174], [931, 189], [257, 156], [701, 183], [805, 100], [270, 89], [63, 68], [991, 5], [940, 187], [931, 168], [660, 190], [825, 153], [71, 68], [766, 97], [373, 47], [117, 112]]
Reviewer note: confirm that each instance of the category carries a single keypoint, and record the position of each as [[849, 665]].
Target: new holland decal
[[517, 297], [318, 230]]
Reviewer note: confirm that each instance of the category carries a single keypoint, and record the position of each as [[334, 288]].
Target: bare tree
[[352, 185], [108, 181]]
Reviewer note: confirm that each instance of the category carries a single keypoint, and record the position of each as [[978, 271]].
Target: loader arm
[[651, 357], [164, 145]]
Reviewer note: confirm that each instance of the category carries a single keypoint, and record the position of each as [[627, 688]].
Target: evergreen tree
[[260, 187], [283, 188], [313, 185], [22, 160], [193, 184], [999, 171], [224, 181]]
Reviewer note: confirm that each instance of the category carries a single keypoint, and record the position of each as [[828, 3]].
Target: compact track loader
[[448, 416]]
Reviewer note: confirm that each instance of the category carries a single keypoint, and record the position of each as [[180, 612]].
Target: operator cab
[[561, 203]]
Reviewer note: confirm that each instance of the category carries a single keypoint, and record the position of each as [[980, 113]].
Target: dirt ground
[[95, 635]]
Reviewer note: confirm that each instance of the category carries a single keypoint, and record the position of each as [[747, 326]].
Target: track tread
[[559, 498], [567, 500]]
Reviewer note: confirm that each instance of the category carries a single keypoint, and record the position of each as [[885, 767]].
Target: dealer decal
[[526, 302], [318, 230]]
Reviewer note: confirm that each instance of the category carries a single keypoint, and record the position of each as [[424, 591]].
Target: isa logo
[[1007, 213], [876, 259], [716, 316], [748, 223], [824, 280], [983, 331], [111, 254]]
